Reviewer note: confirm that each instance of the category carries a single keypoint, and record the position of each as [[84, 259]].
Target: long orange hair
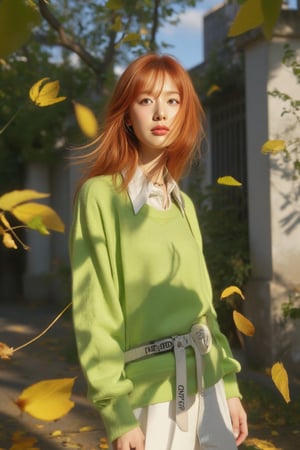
[[116, 148]]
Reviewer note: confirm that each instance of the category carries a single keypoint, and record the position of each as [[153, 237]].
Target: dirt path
[[54, 356]]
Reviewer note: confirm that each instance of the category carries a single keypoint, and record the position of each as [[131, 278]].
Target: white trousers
[[209, 424]]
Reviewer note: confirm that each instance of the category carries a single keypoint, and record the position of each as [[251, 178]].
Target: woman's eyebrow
[[162, 92]]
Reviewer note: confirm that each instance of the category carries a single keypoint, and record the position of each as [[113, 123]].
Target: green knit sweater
[[138, 278]]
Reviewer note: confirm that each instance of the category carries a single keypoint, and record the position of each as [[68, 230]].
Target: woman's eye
[[173, 101], [145, 101]]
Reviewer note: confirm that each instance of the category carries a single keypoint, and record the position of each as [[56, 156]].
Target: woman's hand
[[238, 419], [133, 439]]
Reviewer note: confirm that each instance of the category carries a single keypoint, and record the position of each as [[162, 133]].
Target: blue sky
[[187, 36]]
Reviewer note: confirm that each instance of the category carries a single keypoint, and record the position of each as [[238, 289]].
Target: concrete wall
[[46, 278], [274, 219]]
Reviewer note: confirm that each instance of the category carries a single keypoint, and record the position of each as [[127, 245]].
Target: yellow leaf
[[243, 324], [212, 89], [5, 351], [47, 400], [8, 241], [86, 120], [35, 89], [228, 181], [260, 444], [17, 18], [56, 433], [85, 429], [44, 93], [281, 381], [28, 211], [14, 198], [249, 16], [232, 290], [5, 223], [103, 443], [274, 146]]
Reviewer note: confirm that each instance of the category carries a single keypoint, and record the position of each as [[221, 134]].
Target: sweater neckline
[[166, 214]]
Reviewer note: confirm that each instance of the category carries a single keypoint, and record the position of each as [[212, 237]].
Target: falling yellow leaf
[[44, 93], [229, 181], [86, 120], [17, 18], [243, 324], [281, 381], [48, 399], [214, 88], [14, 198], [5, 351], [250, 15], [232, 290], [26, 212], [274, 146]]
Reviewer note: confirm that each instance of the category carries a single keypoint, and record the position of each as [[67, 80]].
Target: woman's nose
[[159, 113]]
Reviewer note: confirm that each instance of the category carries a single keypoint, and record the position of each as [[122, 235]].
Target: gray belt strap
[[200, 340]]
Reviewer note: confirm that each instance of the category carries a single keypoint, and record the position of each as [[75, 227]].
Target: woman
[[158, 368]]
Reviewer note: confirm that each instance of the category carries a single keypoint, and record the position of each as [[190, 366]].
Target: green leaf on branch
[[37, 224], [114, 4], [17, 18]]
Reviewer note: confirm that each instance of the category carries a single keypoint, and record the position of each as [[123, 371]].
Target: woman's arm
[[238, 419], [97, 312]]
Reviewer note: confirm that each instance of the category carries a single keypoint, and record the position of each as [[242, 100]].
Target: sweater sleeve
[[229, 366], [97, 313]]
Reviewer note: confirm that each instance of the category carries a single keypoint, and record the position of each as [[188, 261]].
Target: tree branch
[[66, 41], [155, 23]]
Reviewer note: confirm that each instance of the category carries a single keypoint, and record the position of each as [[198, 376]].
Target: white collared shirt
[[142, 191]]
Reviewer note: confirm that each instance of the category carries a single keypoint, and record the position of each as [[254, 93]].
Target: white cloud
[[190, 22]]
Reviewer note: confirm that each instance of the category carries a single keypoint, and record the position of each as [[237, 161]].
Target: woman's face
[[152, 117]]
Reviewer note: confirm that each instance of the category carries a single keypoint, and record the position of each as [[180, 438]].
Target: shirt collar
[[140, 189]]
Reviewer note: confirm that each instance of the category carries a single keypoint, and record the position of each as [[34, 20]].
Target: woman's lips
[[159, 131]]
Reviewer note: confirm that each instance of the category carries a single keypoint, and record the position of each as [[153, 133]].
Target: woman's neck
[[155, 168]]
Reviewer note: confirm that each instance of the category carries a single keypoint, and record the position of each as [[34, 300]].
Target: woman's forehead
[[155, 83]]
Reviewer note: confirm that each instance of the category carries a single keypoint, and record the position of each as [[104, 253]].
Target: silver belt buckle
[[201, 336]]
